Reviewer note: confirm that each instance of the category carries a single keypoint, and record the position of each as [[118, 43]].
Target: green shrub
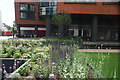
[[16, 55], [24, 70], [35, 57], [7, 55], [27, 55]]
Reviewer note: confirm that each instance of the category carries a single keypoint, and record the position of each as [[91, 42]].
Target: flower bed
[[48, 60], [9, 65], [58, 63]]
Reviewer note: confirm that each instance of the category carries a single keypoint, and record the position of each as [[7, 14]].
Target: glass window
[[44, 4], [48, 11], [31, 7], [23, 15], [111, 1], [23, 7]]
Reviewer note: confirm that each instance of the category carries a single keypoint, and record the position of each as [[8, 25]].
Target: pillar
[[18, 29], [36, 30], [94, 28], [48, 26]]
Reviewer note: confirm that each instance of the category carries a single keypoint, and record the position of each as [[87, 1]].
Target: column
[[36, 30], [94, 28], [47, 26], [18, 29]]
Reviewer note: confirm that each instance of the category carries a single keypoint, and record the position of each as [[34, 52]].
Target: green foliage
[[27, 55], [24, 70], [35, 57], [35, 70], [62, 18], [16, 55], [7, 55]]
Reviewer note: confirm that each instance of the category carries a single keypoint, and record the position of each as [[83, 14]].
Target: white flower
[[51, 76]]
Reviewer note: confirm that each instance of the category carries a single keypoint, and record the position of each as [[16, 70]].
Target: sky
[[7, 11]]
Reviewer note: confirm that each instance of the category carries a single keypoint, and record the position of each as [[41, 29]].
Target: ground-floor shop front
[[32, 31], [88, 27], [94, 27]]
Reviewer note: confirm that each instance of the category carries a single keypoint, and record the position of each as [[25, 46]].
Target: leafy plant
[[24, 70], [35, 70], [63, 20], [35, 57], [27, 55], [7, 55], [16, 55]]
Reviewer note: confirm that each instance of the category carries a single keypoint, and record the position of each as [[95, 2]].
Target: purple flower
[[15, 60], [0, 69], [5, 72], [61, 54], [10, 67], [40, 76], [53, 63], [18, 62], [14, 64], [29, 65], [14, 67], [53, 48], [51, 76], [6, 75], [46, 61], [3, 64], [4, 67], [53, 66]]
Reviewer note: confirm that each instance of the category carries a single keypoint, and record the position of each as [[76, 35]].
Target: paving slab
[[100, 50]]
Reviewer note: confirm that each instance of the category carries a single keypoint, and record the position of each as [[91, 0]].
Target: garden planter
[[8, 63], [15, 72]]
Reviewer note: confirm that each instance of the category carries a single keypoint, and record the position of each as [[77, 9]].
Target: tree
[[7, 26], [62, 20], [13, 29]]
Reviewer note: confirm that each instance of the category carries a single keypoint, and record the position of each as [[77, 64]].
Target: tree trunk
[[60, 31], [66, 31]]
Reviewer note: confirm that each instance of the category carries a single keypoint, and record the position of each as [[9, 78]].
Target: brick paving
[[100, 50]]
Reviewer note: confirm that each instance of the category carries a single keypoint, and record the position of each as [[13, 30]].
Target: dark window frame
[[110, 3], [30, 14]]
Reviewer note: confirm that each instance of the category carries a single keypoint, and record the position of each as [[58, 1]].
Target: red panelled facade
[[27, 21], [95, 8]]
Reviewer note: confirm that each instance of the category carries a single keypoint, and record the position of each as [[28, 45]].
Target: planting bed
[[49, 59], [9, 65]]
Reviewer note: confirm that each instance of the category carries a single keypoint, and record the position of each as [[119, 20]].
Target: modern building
[[92, 20]]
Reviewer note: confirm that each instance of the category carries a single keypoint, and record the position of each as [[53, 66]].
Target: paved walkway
[[100, 50], [5, 37]]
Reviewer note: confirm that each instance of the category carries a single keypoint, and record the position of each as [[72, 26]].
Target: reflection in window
[[111, 0], [23, 15], [27, 11], [31, 8], [23, 7], [27, 7]]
